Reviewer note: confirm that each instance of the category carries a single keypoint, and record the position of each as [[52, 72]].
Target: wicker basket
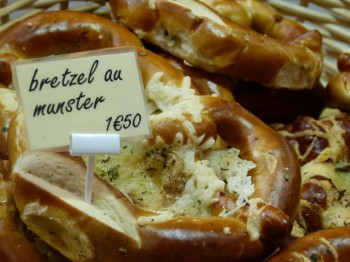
[[330, 17]]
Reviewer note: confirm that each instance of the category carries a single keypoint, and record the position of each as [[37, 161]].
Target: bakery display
[[224, 176]]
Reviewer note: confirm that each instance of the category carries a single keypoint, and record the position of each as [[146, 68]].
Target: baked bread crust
[[197, 34], [13, 244], [324, 245]]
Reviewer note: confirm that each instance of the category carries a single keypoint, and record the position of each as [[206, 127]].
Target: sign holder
[[92, 145], [83, 102]]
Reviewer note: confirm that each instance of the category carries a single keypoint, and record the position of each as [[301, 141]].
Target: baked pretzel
[[264, 20], [119, 225], [205, 83], [337, 89], [197, 34], [323, 148], [231, 10], [76, 31], [59, 32], [14, 246], [324, 245]]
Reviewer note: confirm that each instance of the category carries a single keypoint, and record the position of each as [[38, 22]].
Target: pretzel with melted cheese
[[168, 186], [194, 32], [322, 146], [184, 189]]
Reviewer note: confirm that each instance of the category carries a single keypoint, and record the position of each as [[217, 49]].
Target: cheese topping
[[178, 179], [173, 100]]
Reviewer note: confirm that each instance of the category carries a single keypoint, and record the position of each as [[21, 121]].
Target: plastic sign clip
[[91, 145]]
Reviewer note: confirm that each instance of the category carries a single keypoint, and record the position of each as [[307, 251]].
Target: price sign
[[98, 92]]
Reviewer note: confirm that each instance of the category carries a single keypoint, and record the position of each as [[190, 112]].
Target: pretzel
[[337, 89], [120, 226], [231, 10], [59, 32], [324, 245], [197, 34], [13, 245], [264, 20], [205, 83], [323, 150]]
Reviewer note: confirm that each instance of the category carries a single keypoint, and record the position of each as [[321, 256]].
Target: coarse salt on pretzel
[[197, 34]]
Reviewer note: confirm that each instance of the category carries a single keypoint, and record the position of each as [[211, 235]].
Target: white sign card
[[97, 92]]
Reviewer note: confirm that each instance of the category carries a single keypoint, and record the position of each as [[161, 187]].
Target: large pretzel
[[48, 187], [322, 147], [59, 32], [197, 34], [13, 244], [324, 245]]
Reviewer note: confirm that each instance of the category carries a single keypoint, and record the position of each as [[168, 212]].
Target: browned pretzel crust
[[13, 245], [59, 32], [197, 34], [324, 245]]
